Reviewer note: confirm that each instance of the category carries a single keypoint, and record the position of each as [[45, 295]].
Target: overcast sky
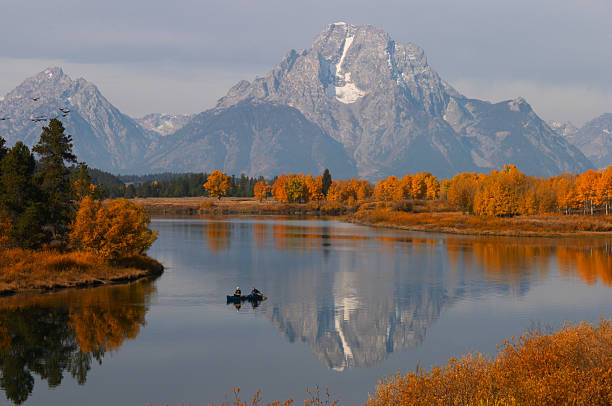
[[180, 56]]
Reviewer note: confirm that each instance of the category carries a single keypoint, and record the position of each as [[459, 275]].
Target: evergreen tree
[[16, 174], [55, 149], [327, 181], [20, 197], [3, 149]]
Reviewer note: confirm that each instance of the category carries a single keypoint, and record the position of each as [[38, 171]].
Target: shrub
[[570, 367], [115, 230]]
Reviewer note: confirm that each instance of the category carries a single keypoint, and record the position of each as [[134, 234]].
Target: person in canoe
[[237, 292], [255, 293]]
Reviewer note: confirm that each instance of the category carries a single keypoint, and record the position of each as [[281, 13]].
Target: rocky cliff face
[[393, 114], [102, 136], [594, 139], [164, 124]]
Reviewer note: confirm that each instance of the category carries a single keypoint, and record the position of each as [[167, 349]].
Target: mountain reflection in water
[[356, 307], [52, 334]]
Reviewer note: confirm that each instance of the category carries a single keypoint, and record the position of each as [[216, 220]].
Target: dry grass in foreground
[[454, 222], [569, 367], [22, 270]]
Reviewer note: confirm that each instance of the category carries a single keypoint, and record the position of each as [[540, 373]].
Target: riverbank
[[458, 223], [236, 206], [420, 215], [43, 271]]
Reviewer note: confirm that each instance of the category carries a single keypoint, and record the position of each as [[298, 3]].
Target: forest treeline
[[502, 193], [505, 192], [166, 184]]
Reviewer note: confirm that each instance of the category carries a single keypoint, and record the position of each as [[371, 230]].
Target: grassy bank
[[236, 206], [417, 215], [27, 270], [458, 223]]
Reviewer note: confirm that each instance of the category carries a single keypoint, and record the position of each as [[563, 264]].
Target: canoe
[[250, 298]]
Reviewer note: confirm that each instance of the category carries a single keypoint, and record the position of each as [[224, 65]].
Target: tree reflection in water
[[53, 334]]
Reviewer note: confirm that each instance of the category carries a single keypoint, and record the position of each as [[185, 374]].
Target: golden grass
[[455, 222], [22, 270], [570, 367], [236, 205]]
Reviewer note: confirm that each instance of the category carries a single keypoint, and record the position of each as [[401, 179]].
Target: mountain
[[103, 137], [255, 139], [355, 102], [381, 102], [164, 124], [594, 139]]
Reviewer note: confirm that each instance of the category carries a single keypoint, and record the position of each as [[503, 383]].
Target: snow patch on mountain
[[164, 124], [347, 92]]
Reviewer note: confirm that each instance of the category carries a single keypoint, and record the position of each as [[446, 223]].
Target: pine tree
[[20, 197], [16, 173], [327, 181], [55, 150]]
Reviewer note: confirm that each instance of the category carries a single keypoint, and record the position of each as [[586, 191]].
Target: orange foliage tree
[[261, 190], [586, 186], [217, 184], [314, 187], [113, 230], [604, 189], [279, 188]]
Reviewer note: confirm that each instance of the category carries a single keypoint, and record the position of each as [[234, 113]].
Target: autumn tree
[[586, 187], [462, 190], [217, 184], [113, 230], [279, 188], [261, 190], [314, 188], [296, 188], [604, 189]]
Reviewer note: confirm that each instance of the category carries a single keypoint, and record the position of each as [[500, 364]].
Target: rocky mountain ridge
[[355, 102], [103, 137], [594, 138], [393, 114]]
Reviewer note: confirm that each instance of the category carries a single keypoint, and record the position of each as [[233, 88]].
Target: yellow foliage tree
[[462, 190], [604, 189], [586, 186], [296, 188], [261, 190], [217, 184], [114, 230]]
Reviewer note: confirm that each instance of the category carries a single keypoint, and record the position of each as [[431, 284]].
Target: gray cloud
[[191, 51]]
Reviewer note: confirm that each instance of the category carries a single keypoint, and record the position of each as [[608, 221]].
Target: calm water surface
[[346, 305]]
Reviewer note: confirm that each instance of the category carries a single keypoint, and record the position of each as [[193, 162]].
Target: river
[[346, 305]]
